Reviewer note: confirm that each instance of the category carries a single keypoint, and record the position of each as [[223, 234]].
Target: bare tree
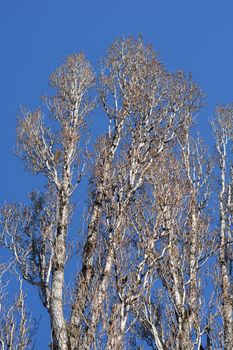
[[147, 234], [223, 129], [146, 107], [37, 234], [170, 312], [16, 325]]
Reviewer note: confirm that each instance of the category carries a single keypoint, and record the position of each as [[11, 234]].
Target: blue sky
[[193, 35]]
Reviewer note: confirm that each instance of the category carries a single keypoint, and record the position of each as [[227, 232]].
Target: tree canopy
[[153, 258]]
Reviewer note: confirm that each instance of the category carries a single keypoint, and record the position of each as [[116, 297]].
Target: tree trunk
[[99, 299], [226, 296], [58, 323]]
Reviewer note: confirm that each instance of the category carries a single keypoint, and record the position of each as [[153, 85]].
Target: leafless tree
[[16, 325], [148, 234], [37, 234], [146, 107], [223, 130]]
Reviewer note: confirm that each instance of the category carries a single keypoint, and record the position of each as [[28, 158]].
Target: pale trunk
[[226, 296], [115, 335], [117, 330], [193, 267], [193, 316], [58, 323], [98, 301], [183, 338]]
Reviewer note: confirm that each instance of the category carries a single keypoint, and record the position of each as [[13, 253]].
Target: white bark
[[226, 296]]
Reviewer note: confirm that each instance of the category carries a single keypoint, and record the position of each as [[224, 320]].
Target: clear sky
[[36, 35]]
